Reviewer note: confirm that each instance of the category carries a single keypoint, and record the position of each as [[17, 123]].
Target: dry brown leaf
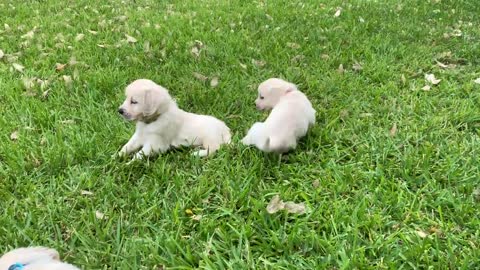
[[275, 205], [99, 215], [477, 81], [363, 115], [340, 69], [86, 193], [67, 79], [440, 64], [357, 66], [29, 35], [197, 217], [45, 93], [195, 51], [393, 130], [200, 76], [146, 46], [338, 12], [316, 183], [426, 88], [456, 33], [79, 37], [60, 67], [14, 136], [295, 208], [431, 79], [421, 234], [28, 83], [130, 39], [67, 122], [214, 82], [293, 45], [18, 67], [258, 63]]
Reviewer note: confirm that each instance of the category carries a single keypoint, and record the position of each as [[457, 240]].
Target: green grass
[[408, 201]]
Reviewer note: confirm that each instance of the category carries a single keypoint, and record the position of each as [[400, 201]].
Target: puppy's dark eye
[[261, 97], [133, 101]]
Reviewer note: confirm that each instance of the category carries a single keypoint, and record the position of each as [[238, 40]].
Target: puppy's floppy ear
[[150, 102], [290, 88]]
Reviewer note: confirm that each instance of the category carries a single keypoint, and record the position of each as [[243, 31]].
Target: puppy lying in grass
[[291, 116], [33, 258], [161, 124]]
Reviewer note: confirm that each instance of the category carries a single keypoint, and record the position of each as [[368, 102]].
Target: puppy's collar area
[[150, 119], [17, 266]]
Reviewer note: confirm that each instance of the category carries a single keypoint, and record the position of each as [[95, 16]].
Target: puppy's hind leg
[[254, 134]]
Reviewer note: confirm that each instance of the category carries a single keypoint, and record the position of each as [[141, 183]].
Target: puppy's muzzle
[[121, 111]]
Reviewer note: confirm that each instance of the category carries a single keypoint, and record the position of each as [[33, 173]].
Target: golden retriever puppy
[[33, 258], [291, 116], [160, 124]]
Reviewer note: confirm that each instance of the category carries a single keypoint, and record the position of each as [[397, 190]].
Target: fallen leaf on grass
[[28, 83], [79, 37], [45, 93], [14, 136], [18, 67], [340, 69], [243, 66], [92, 32], [293, 45], [67, 122], [316, 183], [197, 217], [130, 39], [426, 88], [67, 79], [477, 81], [214, 82], [325, 56], [440, 64], [357, 66], [258, 63], [29, 35], [198, 45], [338, 12], [431, 79], [1, 54], [200, 76], [86, 193], [393, 130], [421, 234], [276, 204], [60, 67], [99, 215]]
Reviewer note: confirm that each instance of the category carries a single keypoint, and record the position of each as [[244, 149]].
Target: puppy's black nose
[[121, 111]]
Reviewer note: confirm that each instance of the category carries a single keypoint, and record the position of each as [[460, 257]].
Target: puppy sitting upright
[[292, 114], [161, 124]]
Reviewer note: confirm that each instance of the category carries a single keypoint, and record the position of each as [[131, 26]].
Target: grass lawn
[[390, 173]]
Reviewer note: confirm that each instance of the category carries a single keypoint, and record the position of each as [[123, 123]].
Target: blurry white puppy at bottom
[[160, 124], [291, 116], [33, 258]]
